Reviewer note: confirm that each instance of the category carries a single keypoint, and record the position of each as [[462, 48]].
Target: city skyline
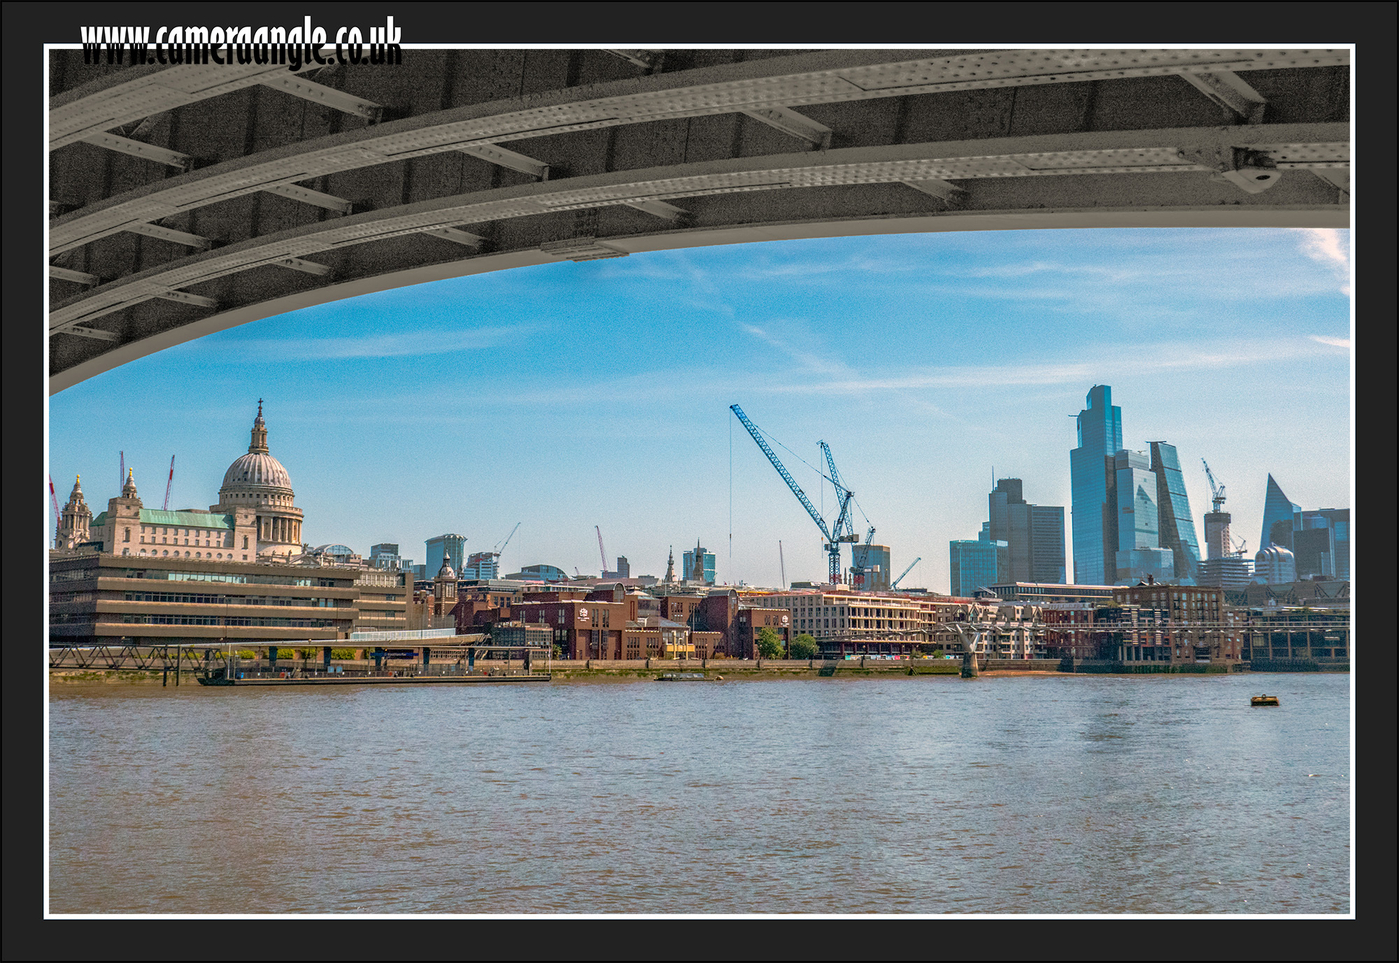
[[571, 396]]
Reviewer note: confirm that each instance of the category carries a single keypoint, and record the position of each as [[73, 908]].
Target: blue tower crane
[[833, 535]]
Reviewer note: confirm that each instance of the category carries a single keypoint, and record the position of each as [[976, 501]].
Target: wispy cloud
[[404, 344], [1143, 360], [1331, 247], [1334, 342], [810, 361]]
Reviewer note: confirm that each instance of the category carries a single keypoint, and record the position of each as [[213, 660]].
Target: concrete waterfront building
[[850, 622], [453, 546], [106, 599], [1091, 470], [1033, 533], [257, 482], [976, 563], [1176, 523]]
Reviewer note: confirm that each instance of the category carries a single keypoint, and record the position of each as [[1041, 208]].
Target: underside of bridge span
[[186, 199]]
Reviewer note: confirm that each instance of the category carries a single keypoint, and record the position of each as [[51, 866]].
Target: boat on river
[[1264, 700], [686, 677]]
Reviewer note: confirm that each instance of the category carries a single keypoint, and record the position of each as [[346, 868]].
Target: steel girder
[[295, 189]]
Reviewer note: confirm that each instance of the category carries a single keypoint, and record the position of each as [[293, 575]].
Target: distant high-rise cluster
[[1131, 514], [1307, 544]]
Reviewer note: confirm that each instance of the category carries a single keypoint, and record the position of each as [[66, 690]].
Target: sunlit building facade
[[1094, 512], [1175, 520]]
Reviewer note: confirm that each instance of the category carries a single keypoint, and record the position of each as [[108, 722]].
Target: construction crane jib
[[1216, 489], [833, 537]]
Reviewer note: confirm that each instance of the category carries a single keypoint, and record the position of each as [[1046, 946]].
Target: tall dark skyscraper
[[1033, 533], [1177, 524], [1094, 502]]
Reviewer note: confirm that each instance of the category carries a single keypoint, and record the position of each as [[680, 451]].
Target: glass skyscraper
[[451, 546], [975, 564], [1177, 524], [1091, 475], [1277, 507], [1139, 552]]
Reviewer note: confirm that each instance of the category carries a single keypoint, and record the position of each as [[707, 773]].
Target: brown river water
[[923, 795]]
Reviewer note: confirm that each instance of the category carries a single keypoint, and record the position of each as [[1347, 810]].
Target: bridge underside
[[188, 199]]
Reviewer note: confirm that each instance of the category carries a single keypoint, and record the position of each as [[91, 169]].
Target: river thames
[[902, 795]]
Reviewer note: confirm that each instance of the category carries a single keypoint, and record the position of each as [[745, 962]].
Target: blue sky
[[573, 395]]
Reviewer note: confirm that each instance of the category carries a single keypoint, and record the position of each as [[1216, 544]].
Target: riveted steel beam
[[1054, 157], [307, 196], [1231, 92], [937, 188], [459, 237], [321, 94], [184, 297], [69, 274], [501, 157], [172, 235], [769, 85], [643, 58], [661, 209], [136, 148], [298, 264], [581, 249], [790, 122], [96, 334]]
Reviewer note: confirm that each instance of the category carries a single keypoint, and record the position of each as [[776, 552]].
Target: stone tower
[[74, 528]]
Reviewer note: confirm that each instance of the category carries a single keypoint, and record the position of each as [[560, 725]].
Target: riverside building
[[236, 572]]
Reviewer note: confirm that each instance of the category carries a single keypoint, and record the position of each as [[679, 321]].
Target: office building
[[976, 563], [1274, 565], [1231, 572], [1321, 543], [1094, 512], [1278, 511], [1176, 524], [385, 555], [1139, 553], [452, 546], [482, 565], [1034, 534], [1217, 543], [698, 565], [869, 567]]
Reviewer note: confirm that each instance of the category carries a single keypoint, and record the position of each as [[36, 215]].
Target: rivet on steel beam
[[68, 274]]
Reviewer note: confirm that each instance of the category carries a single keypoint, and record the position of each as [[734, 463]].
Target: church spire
[[259, 438]]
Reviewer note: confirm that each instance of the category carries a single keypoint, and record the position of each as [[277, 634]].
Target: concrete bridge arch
[[188, 199]]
